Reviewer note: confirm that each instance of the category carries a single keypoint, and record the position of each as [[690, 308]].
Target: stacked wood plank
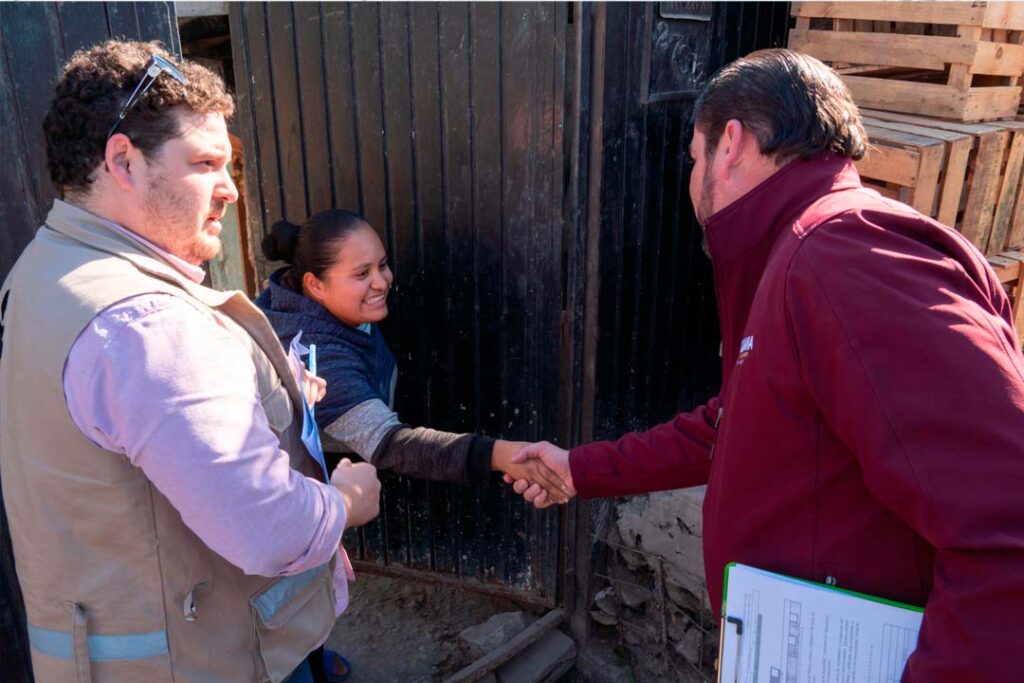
[[920, 166], [957, 60], [966, 175], [1009, 268]]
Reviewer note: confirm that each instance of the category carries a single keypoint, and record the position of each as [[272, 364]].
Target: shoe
[[336, 667]]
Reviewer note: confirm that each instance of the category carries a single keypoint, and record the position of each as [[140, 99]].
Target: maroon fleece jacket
[[870, 426]]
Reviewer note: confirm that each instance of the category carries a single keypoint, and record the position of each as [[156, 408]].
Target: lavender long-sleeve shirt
[[163, 383]]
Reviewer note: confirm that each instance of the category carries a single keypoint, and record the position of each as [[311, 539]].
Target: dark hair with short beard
[[313, 246], [90, 92], [793, 104]]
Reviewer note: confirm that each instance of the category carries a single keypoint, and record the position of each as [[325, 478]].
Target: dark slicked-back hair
[[90, 92], [795, 106]]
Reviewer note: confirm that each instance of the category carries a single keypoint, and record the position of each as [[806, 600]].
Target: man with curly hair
[[167, 521]]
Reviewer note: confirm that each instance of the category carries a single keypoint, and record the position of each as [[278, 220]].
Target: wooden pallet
[[923, 167], [954, 60], [1009, 268], [981, 195]]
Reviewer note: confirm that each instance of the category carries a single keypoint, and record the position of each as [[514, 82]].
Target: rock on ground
[[491, 634]]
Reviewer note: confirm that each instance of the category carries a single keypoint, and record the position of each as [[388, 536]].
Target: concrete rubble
[[607, 603], [494, 632], [657, 599], [545, 661], [597, 662]]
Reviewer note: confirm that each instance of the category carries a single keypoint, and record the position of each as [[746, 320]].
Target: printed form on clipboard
[[778, 629]]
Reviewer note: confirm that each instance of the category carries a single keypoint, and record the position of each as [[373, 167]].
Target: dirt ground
[[400, 631]]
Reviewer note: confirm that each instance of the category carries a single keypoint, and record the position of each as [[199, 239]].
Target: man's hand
[[360, 489], [530, 471], [556, 459], [313, 388]]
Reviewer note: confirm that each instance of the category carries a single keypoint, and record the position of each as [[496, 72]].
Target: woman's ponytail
[[281, 243]]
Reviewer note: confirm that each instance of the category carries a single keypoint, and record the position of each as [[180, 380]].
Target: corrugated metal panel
[[442, 124], [35, 41], [641, 314]]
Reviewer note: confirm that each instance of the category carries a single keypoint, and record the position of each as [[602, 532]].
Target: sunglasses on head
[[154, 67]]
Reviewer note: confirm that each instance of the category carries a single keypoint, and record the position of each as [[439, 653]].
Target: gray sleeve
[[364, 427]]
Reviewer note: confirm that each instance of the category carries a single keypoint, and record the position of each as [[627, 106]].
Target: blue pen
[[312, 368]]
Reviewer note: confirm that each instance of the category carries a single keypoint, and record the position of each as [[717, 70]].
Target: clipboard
[[780, 629], [310, 433]]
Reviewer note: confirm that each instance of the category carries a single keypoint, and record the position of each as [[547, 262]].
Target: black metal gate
[[443, 124], [641, 310], [657, 337]]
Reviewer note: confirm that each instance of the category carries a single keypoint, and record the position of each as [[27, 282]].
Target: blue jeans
[[302, 674]]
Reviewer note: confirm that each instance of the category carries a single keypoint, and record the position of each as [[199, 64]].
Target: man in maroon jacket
[[869, 431]]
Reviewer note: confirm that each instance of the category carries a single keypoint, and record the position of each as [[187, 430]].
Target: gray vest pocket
[[292, 616]]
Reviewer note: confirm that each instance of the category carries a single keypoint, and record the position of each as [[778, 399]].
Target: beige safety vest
[[116, 587]]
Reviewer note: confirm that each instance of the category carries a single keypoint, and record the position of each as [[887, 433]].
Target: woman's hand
[[533, 471], [313, 388], [557, 461]]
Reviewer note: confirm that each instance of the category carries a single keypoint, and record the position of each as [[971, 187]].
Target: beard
[[706, 207], [176, 219], [707, 196]]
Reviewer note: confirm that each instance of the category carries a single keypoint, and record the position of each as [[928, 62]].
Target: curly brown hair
[[90, 92]]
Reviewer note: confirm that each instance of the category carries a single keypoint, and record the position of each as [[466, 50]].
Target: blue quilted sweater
[[358, 366]]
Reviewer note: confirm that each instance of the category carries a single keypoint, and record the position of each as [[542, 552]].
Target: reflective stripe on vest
[[101, 648], [283, 590]]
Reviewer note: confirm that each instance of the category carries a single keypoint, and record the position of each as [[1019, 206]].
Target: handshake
[[537, 471]]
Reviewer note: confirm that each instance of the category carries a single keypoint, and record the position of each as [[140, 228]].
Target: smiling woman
[[334, 292]]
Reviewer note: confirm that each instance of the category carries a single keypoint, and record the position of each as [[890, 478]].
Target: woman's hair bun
[[280, 244]]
